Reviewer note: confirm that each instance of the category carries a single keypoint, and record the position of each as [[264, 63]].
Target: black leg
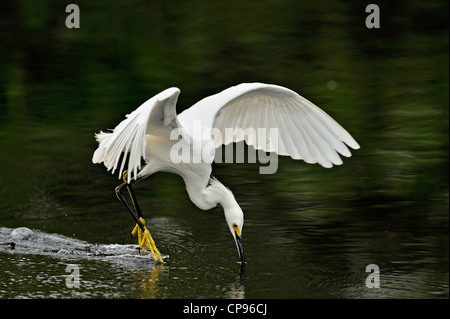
[[144, 236], [119, 192], [134, 200]]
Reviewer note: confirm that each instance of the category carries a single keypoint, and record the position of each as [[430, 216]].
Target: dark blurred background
[[388, 87]]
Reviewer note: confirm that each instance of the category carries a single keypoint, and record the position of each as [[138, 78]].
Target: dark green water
[[309, 232]]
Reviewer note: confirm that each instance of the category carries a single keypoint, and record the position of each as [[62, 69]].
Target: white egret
[[304, 132]]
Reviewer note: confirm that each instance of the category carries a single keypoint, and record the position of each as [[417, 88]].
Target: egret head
[[217, 193], [235, 220]]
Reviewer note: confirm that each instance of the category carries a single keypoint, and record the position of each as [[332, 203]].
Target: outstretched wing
[[304, 130], [157, 116]]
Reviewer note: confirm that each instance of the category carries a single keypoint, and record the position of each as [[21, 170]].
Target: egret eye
[[235, 225]]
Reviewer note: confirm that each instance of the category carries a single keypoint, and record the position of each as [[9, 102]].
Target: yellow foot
[[145, 240]]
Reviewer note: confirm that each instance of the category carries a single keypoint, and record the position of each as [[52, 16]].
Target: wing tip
[[353, 144], [168, 93]]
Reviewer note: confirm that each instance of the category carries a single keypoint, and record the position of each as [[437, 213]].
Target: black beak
[[240, 247]]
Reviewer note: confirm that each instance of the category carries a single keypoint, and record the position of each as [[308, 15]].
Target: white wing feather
[[157, 116], [304, 130]]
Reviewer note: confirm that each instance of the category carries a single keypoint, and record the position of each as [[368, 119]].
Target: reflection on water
[[314, 253], [22, 248], [309, 232], [148, 282]]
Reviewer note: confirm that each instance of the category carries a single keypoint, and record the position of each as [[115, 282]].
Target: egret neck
[[216, 193]]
